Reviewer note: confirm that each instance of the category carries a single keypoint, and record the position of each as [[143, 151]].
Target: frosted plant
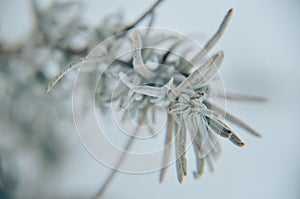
[[180, 84]]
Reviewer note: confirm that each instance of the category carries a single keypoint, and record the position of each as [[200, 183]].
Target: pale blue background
[[262, 44]]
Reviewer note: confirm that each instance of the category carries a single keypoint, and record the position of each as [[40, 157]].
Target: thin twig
[[140, 18], [121, 159]]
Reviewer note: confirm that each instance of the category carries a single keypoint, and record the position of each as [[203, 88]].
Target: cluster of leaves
[[181, 85], [148, 77]]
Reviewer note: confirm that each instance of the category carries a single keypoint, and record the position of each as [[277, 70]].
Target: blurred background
[[41, 155]]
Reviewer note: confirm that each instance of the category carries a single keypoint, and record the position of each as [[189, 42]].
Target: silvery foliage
[[181, 86]]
